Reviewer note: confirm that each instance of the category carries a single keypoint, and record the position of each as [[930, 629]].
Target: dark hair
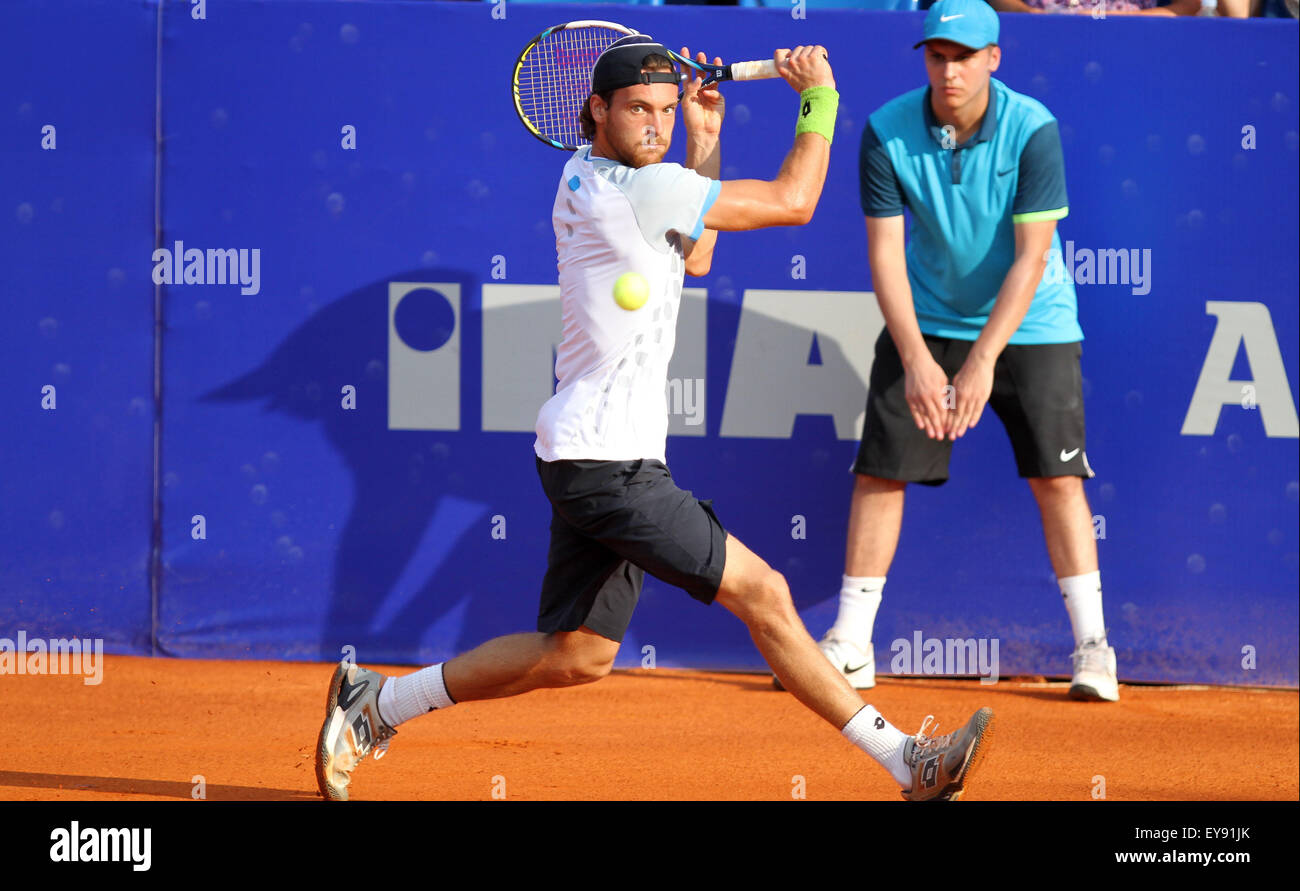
[[651, 63]]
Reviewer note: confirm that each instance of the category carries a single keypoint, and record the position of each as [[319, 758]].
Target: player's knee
[[771, 605], [577, 669], [578, 660]]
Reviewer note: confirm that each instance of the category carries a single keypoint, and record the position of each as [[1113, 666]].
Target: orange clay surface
[[249, 730]]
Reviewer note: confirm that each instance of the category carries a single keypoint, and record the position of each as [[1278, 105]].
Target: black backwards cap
[[620, 64]]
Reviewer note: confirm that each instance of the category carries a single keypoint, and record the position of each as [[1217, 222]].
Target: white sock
[[859, 599], [412, 695], [870, 732], [1082, 595]]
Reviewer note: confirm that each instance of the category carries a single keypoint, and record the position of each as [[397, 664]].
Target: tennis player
[[971, 320], [616, 511]]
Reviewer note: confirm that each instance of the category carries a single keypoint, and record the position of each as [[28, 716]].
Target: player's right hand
[[805, 67], [926, 388]]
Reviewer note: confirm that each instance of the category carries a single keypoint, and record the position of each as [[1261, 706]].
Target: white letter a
[[1241, 324]]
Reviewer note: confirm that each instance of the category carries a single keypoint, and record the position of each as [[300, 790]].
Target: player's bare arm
[[925, 380], [974, 381], [702, 111], [790, 198]]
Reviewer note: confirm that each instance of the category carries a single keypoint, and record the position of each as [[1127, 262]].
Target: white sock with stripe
[[859, 599], [870, 732], [412, 695], [1082, 595]]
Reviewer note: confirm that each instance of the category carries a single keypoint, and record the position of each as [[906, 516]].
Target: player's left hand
[[702, 109], [972, 386]]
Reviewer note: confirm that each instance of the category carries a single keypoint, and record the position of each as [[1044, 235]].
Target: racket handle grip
[[759, 70]]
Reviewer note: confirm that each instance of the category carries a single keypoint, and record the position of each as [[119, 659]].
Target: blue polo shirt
[[965, 202]]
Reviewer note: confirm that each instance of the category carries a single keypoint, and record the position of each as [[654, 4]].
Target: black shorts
[[611, 522], [1037, 394]]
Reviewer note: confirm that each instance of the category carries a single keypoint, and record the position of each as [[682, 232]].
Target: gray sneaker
[[941, 765], [352, 728]]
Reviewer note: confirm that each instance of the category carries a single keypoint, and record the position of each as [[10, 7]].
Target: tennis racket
[[552, 77]]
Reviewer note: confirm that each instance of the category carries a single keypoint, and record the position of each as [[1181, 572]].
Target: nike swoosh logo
[[949, 18], [349, 695], [848, 669], [1068, 456], [1005, 172]]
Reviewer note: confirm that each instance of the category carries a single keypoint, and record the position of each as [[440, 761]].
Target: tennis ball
[[631, 290]]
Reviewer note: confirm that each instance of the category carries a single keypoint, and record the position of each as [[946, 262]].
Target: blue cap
[[971, 23]]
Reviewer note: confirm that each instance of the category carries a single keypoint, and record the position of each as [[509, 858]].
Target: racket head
[[552, 79]]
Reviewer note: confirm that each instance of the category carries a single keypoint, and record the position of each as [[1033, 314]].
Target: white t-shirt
[[612, 364]]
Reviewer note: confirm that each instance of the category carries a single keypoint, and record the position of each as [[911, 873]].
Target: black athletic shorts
[[611, 522], [1037, 394]]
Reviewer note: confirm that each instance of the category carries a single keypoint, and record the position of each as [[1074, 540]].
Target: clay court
[[249, 730]]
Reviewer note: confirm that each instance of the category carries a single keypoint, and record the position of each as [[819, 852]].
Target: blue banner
[[358, 308]]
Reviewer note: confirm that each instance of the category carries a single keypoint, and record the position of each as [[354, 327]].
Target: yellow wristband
[[817, 107]]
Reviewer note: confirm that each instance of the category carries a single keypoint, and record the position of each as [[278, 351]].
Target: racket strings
[[555, 80]]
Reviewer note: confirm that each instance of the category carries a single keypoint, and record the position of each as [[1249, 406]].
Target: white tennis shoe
[[1094, 672], [858, 665]]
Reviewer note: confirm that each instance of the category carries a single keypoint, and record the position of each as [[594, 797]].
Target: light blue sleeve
[[669, 198]]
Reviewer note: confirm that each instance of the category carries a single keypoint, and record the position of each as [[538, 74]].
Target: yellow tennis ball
[[631, 290]]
